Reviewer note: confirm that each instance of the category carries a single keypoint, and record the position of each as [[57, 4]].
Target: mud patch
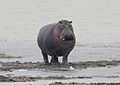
[[73, 83], [8, 66], [26, 79], [14, 79]]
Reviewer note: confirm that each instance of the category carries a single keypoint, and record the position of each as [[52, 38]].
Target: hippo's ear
[[70, 21], [60, 22]]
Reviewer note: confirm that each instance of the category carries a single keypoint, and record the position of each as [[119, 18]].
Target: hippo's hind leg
[[45, 57], [54, 61]]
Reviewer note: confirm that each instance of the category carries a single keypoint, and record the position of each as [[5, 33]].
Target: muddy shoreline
[[28, 79], [10, 66], [74, 83], [7, 66]]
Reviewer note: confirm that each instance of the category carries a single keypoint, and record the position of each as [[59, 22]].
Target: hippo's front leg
[[45, 57], [65, 60], [54, 61]]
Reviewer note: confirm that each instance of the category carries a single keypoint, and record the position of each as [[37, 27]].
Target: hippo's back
[[45, 36], [46, 29]]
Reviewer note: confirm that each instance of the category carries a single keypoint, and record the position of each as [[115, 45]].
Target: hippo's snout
[[67, 37]]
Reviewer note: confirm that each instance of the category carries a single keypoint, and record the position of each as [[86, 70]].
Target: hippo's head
[[66, 30]]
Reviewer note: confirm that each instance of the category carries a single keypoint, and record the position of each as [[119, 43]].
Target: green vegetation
[[2, 55]]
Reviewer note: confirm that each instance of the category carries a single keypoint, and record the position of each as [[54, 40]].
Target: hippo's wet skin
[[56, 40]]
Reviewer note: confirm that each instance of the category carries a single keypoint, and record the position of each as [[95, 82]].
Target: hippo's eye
[[62, 25]]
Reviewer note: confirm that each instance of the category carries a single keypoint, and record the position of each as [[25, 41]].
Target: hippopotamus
[[56, 40]]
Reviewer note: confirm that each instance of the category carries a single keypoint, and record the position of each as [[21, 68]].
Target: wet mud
[[73, 83], [28, 79], [10, 66]]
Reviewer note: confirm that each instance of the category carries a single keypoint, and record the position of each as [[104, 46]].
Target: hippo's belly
[[60, 49]]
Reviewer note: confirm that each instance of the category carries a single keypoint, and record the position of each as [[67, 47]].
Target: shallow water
[[98, 75], [95, 52], [82, 75], [98, 72]]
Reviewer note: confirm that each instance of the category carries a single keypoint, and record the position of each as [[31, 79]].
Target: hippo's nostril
[[68, 37]]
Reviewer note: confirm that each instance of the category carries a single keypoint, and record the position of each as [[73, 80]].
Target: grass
[[2, 55]]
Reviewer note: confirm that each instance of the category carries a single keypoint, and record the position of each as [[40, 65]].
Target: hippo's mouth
[[67, 39]]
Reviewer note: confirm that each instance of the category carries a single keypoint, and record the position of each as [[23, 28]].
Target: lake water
[[94, 21]]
